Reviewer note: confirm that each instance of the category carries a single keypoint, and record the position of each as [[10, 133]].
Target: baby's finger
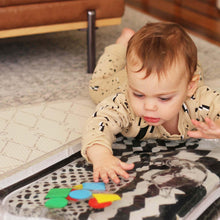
[[113, 176], [126, 166], [122, 173], [195, 134], [104, 176], [96, 176], [199, 134], [210, 123], [200, 125]]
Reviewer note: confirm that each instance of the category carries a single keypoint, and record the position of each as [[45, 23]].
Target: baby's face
[[157, 101]]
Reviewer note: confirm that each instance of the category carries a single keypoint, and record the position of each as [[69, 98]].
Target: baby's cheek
[[132, 105], [137, 109]]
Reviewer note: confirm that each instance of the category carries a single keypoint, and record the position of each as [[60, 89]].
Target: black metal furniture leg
[[91, 45]]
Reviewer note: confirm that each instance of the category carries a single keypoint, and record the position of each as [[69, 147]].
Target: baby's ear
[[193, 84]]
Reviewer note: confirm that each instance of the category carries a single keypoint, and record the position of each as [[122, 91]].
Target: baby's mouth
[[151, 120]]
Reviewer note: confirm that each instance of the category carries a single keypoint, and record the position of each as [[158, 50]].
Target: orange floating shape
[[94, 204], [104, 197]]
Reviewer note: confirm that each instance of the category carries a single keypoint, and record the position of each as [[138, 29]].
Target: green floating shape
[[56, 203], [58, 193]]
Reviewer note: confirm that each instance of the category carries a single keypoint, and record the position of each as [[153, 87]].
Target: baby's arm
[[112, 116], [208, 129], [105, 165]]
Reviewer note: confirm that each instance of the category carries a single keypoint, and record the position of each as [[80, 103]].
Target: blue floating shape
[[94, 186], [80, 194]]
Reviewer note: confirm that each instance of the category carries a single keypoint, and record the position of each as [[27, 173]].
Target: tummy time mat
[[171, 180]]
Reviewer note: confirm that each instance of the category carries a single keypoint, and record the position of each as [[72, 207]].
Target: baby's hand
[[106, 166], [208, 129]]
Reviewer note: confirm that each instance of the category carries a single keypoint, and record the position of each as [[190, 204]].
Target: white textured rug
[[44, 98]]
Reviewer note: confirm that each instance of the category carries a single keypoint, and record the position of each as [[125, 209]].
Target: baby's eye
[[164, 99], [138, 95]]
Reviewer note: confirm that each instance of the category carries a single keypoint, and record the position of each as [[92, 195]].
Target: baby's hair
[[159, 45]]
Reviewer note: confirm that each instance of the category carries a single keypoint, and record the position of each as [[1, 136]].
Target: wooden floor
[[200, 17]]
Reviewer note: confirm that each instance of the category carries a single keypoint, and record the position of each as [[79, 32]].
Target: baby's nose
[[150, 105]]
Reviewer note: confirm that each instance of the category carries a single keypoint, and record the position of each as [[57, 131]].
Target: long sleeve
[[112, 116], [204, 103]]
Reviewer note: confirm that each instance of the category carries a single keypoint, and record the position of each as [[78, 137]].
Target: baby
[[147, 85]]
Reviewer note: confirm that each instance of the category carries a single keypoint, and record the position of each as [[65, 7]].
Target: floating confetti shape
[[56, 203], [104, 197], [80, 194], [58, 192], [94, 186], [94, 204]]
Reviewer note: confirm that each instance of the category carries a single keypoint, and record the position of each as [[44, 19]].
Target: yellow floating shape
[[80, 186], [104, 197]]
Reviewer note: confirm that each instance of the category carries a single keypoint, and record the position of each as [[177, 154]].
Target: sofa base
[[89, 25]]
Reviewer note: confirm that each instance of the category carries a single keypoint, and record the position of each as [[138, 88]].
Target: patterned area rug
[[43, 89], [31, 133]]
